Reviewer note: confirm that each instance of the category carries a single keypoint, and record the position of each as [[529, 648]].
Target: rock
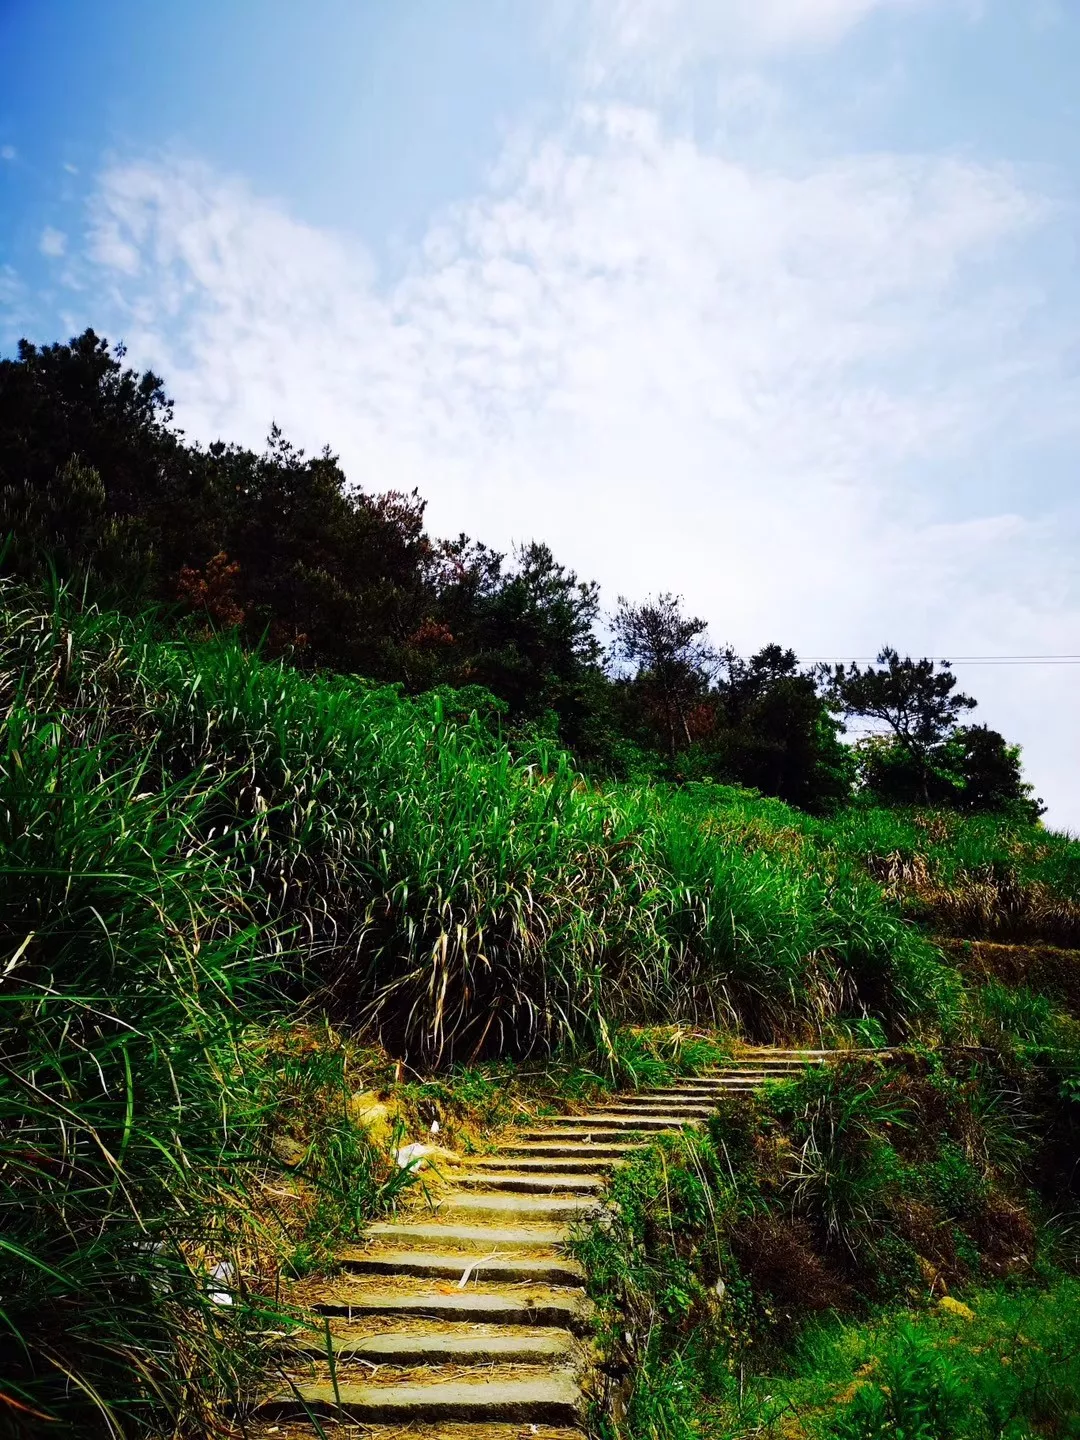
[[289, 1152], [374, 1116], [422, 1157]]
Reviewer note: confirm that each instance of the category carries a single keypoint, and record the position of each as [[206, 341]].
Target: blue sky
[[772, 302]]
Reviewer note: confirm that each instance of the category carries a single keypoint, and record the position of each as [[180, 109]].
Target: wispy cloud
[[651, 43], [53, 243], [701, 28]]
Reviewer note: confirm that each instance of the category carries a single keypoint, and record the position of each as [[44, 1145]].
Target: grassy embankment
[[203, 853], [840, 1214]]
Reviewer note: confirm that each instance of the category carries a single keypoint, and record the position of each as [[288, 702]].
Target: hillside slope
[[204, 851]]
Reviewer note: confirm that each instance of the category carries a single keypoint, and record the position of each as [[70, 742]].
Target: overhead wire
[[952, 659]]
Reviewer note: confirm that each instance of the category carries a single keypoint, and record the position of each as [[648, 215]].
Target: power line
[[954, 659]]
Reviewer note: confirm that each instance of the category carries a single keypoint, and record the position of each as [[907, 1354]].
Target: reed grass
[[981, 877], [462, 901], [129, 954]]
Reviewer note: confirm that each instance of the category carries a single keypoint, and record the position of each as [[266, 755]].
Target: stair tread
[[558, 1147], [440, 1430], [479, 1396], [590, 1124], [541, 1164], [495, 1178], [359, 1287], [452, 1342], [469, 1235], [481, 1200], [458, 1263], [513, 1302]]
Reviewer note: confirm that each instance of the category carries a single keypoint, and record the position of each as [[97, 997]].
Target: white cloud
[[12, 302], [53, 242], [654, 40], [684, 371], [713, 25], [7, 152]]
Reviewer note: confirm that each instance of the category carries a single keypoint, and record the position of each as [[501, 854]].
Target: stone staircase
[[469, 1318]]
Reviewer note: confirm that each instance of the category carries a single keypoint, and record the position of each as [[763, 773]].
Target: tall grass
[[973, 877], [128, 951], [137, 1106], [463, 901]]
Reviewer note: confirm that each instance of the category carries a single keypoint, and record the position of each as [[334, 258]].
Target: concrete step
[[559, 1164], [610, 1120], [765, 1062], [699, 1107], [784, 1067], [801, 1056], [454, 1344], [611, 1132], [548, 1183], [676, 1094], [687, 1096], [653, 1134], [550, 1399], [692, 1097], [441, 1264], [718, 1077], [477, 1207], [616, 1148], [564, 1308], [441, 1430], [739, 1073], [481, 1238]]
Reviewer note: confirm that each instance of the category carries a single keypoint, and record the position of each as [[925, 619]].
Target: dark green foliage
[[924, 756], [915, 699], [96, 481], [78, 400], [527, 632], [989, 773], [974, 770], [97, 484], [775, 733], [671, 663]]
